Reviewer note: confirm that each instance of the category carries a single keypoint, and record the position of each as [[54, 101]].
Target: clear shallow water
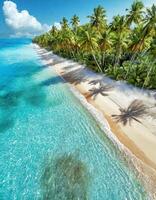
[[49, 143]]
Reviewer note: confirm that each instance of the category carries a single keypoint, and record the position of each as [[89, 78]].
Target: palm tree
[[134, 111], [89, 44], [152, 61], [66, 42], [105, 44], [152, 49], [120, 44], [135, 14], [75, 22], [123, 46], [118, 25], [136, 44], [98, 18], [64, 23], [150, 22], [54, 31]]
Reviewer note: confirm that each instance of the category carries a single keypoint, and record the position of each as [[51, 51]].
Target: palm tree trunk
[[149, 72], [103, 59], [94, 57]]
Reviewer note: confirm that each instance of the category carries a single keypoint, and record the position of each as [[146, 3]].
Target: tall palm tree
[[150, 22], [120, 44], [53, 31], [75, 21], [135, 14], [118, 25], [149, 28], [152, 61], [120, 30], [89, 44], [98, 18], [105, 44], [64, 23], [136, 44], [66, 41]]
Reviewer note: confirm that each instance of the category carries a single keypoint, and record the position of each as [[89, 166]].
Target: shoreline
[[143, 153]]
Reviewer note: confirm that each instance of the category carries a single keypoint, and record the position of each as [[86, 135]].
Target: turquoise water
[[49, 143]]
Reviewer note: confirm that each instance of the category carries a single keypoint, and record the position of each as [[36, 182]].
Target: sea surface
[[50, 147]]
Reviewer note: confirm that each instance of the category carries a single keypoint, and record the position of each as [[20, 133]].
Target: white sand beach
[[110, 97]]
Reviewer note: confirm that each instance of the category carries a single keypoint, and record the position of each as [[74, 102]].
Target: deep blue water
[[49, 144]]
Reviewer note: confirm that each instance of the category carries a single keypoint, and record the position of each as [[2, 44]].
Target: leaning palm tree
[[136, 44], [150, 22], [134, 111], [89, 44], [75, 22], [135, 14], [98, 18], [149, 28]]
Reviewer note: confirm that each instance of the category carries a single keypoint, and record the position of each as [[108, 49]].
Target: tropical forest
[[123, 48]]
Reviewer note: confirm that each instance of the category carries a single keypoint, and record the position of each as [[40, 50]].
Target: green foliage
[[125, 49]]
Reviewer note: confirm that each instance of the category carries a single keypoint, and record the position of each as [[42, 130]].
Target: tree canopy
[[124, 49]]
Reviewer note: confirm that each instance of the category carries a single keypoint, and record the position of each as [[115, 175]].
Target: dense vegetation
[[124, 49]]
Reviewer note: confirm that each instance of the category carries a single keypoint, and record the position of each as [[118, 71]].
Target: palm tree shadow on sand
[[75, 76], [134, 111], [65, 177], [102, 90], [96, 81]]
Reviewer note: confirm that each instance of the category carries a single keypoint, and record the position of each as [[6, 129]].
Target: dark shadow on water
[[32, 94], [35, 96], [6, 120], [6, 124], [52, 81], [65, 178], [10, 99], [54, 102], [3, 86], [27, 69]]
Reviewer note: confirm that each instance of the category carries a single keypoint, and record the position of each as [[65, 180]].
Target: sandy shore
[[109, 97]]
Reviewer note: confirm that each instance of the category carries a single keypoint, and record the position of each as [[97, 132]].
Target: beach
[[138, 136]]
